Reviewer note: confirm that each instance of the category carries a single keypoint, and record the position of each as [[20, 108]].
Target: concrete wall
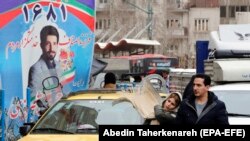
[[213, 16], [242, 17]]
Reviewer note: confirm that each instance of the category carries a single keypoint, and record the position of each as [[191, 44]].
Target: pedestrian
[[189, 88], [203, 106], [109, 81], [165, 75], [166, 113]]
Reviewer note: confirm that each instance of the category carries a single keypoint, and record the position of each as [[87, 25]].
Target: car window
[[76, 115], [121, 113], [236, 101], [157, 82]]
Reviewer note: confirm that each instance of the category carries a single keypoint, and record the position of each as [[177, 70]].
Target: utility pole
[[149, 11]]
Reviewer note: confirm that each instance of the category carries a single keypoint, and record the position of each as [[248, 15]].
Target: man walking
[[202, 107]]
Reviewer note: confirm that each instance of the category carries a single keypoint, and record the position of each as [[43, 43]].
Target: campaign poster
[[46, 46]]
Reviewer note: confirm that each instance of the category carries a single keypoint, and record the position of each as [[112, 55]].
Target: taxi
[[77, 116]]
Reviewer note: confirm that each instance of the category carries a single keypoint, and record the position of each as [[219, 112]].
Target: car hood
[[239, 120], [60, 137]]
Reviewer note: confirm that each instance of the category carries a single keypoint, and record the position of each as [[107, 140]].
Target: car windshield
[[84, 116], [237, 102]]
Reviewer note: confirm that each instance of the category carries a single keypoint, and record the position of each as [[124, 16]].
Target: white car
[[237, 99]]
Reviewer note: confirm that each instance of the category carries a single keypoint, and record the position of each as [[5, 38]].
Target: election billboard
[[46, 49]]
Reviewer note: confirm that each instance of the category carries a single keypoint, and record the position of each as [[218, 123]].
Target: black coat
[[213, 113], [188, 91], [164, 117]]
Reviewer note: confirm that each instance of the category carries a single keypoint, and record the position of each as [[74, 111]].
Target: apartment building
[[175, 24]]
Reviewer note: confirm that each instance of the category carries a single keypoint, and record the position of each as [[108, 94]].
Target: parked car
[[77, 116], [236, 97]]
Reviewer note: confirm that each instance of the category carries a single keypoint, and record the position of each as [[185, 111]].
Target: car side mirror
[[50, 83]]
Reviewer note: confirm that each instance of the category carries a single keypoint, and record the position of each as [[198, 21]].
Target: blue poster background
[[19, 48]]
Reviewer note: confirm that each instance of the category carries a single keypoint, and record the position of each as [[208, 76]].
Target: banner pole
[[28, 103], [2, 114]]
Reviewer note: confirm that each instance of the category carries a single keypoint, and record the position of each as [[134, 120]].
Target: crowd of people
[[196, 105]]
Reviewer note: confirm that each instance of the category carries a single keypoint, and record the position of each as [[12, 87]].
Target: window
[[243, 8], [103, 1], [172, 48], [201, 25], [173, 23], [100, 24], [223, 11], [109, 22], [237, 9], [96, 25], [104, 24], [231, 11]]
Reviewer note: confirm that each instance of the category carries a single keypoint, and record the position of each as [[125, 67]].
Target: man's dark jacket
[[213, 113]]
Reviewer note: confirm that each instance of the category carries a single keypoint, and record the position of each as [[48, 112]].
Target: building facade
[[176, 24]]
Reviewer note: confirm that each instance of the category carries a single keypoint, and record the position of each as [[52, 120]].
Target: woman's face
[[169, 105]]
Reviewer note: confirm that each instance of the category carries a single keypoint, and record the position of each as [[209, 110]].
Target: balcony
[[118, 7], [203, 3], [178, 7], [102, 7], [180, 33]]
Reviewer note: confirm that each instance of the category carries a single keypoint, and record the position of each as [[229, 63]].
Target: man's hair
[[206, 78], [166, 71], [137, 78], [109, 78], [48, 30]]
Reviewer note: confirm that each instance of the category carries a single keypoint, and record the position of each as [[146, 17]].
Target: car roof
[[231, 86], [101, 94], [94, 94]]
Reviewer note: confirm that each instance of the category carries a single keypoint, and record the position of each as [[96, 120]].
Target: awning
[[140, 56], [125, 44]]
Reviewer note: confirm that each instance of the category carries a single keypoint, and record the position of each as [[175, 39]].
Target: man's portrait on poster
[[49, 37]]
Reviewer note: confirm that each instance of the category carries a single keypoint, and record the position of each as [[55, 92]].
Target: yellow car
[[77, 116]]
